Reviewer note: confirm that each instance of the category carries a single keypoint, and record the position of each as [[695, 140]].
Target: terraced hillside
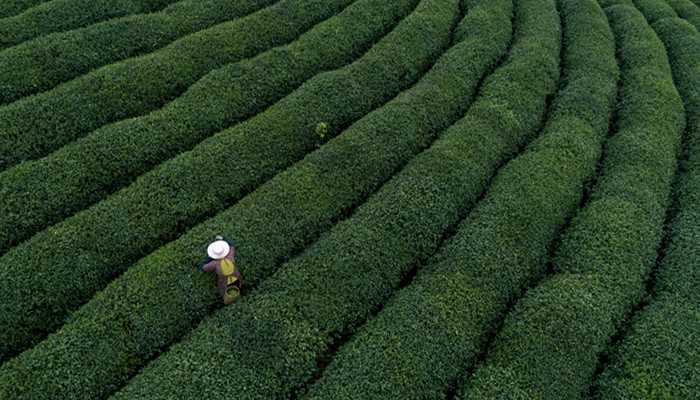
[[430, 199]]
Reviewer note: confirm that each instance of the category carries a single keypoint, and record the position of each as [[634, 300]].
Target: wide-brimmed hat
[[218, 249]]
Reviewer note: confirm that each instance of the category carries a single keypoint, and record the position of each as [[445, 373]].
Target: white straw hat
[[218, 250]]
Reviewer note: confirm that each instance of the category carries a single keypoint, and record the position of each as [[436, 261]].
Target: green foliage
[[86, 171], [34, 126], [679, 273], [658, 358], [549, 346], [41, 64], [609, 3], [421, 343], [90, 248], [272, 223], [654, 10], [687, 10], [395, 183], [275, 335], [9, 8], [62, 15]]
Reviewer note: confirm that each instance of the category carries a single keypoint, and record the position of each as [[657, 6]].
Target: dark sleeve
[[210, 266], [232, 252]]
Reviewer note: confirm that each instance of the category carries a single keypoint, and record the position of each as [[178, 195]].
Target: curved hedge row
[[43, 63], [90, 248], [62, 15], [421, 343], [86, 171], [658, 357], [9, 8], [687, 10], [274, 336], [269, 225], [34, 126], [655, 9], [550, 344]]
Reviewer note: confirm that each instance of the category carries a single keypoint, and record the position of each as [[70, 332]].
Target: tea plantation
[[430, 199]]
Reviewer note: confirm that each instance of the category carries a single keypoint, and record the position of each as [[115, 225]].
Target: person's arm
[[210, 266]]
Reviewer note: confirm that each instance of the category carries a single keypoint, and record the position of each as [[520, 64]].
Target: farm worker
[[222, 260]]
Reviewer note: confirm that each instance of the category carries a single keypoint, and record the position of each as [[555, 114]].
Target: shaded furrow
[[610, 3], [269, 225], [62, 15], [9, 8], [550, 344], [41, 64], [274, 337], [34, 126], [687, 10], [658, 357], [108, 159], [434, 330], [92, 247]]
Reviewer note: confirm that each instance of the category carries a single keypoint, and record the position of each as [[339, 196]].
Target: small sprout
[[322, 130]]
